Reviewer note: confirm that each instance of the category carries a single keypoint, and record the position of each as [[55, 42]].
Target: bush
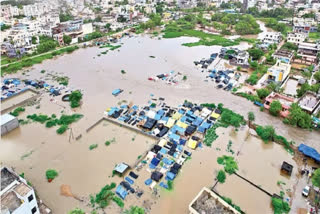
[[17, 111], [208, 105], [62, 129], [230, 118], [297, 117], [107, 143], [76, 211], [118, 201], [275, 108], [93, 146], [221, 177], [51, 174]]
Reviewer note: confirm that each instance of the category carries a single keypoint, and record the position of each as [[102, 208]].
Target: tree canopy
[[275, 108], [297, 117]]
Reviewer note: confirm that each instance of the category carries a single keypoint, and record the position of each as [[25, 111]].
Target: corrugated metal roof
[[5, 118]]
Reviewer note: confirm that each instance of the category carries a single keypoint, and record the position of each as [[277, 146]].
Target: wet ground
[[33, 148]]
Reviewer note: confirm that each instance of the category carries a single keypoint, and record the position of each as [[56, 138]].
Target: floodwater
[[7, 103], [33, 148]]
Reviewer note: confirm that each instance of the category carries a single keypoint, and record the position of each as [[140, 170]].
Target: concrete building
[[272, 37], [17, 197], [309, 102], [308, 52], [8, 123], [209, 202], [283, 55], [278, 72], [296, 38]]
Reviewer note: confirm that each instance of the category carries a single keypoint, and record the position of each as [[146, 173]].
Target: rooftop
[[9, 202], [309, 101], [209, 202], [7, 178]]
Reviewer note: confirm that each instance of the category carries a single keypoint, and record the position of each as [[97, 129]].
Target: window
[[30, 198], [34, 210]]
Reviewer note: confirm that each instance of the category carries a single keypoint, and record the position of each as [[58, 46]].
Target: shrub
[[280, 206], [230, 118], [118, 201], [107, 143], [93, 146], [263, 93], [230, 165], [221, 177], [76, 211], [62, 129], [297, 117], [17, 111], [170, 185]]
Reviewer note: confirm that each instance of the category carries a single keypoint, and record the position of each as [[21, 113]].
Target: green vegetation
[[280, 206], [229, 201], [251, 116], [208, 105], [316, 178], [221, 176], [306, 87], [314, 35], [230, 165], [17, 111], [103, 198], [275, 108], [67, 39], [184, 78], [211, 135], [46, 44], [4, 27], [75, 98], [28, 62], [91, 36], [93, 146], [154, 20], [229, 117], [255, 53], [51, 174], [241, 24], [290, 46], [65, 17], [250, 97], [275, 25], [107, 143], [135, 210], [76, 211], [267, 133], [170, 185], [123, 71], [260, 70], [298, 117], [64, 121], [263, 93]]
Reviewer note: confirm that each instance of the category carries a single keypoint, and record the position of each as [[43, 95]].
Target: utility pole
[[71, 135]]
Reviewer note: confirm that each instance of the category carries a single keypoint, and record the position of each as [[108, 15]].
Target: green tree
[[65, 17], [251, 117], [75, 98], [34, 40], [297, 117], [316, 178], [303, 89], [275, 108], [263, 93], [221, 176], [267, 133], [67, 39], [255, 53], [317, 76], [135, 210]]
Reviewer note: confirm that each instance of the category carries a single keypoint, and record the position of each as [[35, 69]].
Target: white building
[[8, 123], [17, 197], [296, 38], [272, 37]]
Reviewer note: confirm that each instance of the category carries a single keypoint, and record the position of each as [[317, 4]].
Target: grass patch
[[28, 62], [250, 97], [205, 38]]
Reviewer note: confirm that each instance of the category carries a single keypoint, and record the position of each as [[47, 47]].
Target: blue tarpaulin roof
[[155, 161], [116, 91], [121, 192], [129, 180], [174, 137], [170, 176], [148, 181], [309, 152], [167, 161]]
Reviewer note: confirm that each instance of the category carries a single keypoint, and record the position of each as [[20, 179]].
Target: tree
[[76, 211], [221, 176], [75, 98], [255, 53], [263, 93], [251, 117], [67, 39], [297, 117], [34, 40], [275, 108], [135, 210], [316, 178], [317, 76], [65, 17], [267, 133]]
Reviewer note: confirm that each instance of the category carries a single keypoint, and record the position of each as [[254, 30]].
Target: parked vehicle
[[305, 191]]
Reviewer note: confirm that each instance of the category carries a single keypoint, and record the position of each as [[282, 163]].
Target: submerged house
[[284, 100]]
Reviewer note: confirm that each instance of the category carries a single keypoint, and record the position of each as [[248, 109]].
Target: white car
[[305, 191]]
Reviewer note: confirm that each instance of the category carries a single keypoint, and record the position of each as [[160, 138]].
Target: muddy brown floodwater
[[33, 148]]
